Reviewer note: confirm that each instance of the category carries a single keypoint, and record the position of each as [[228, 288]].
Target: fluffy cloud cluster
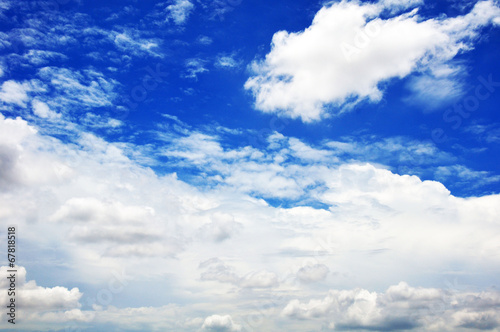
[[217, 323], [402, 307], [105, 211], [287, 165], [349, 52], [37, 305], [32, 297]]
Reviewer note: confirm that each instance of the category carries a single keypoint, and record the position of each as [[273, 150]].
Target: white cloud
[[218, 323], [395, 5], [204, 40], [398, 150], [312, 273], [217, 270], [117, 229], [261, 279], [276, 173], [13, 92], [79, 89], [85, 210], [434, 91], [15, 137], [179, 11], [305, 152], [401, 307], [221, 227], [4, 5], [131, 42], [39, 57], [218, 9], [106, 211], [14, 131], [96, 121], [348, 52], [42, 110], [465, 176], [36, 298], [194, 67], [227, 62], [489, 133], [47, 308]]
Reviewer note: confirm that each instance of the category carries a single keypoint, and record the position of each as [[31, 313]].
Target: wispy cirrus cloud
[[82, 89]]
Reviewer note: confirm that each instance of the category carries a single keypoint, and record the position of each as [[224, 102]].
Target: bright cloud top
[[349, 51]]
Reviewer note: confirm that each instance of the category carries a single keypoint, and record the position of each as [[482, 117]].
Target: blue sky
[[235, 165]]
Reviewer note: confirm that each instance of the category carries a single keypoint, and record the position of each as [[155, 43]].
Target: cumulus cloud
[[39, 307], [401, 307], [218, 323], [33, 297], [123, 230], [349, 52], [107, 210], [16, 139], [48, 307]]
